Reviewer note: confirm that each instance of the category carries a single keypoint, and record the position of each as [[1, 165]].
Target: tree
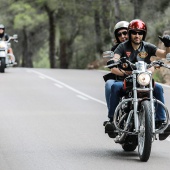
[[52, 35], [117, 11], [28, 22]]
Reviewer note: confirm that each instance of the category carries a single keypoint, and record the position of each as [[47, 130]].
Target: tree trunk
[[137, 8], [27, 54], [98, 32], [63, 54], [117, 11], [106, 8], [52, 37]]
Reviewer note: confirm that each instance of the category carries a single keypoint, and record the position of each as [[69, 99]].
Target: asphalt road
[[51, 119]]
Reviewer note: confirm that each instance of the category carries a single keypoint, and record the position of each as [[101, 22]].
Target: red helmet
[[137, 25]]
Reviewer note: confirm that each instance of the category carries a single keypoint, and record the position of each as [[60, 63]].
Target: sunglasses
[[135, 33], [119, 34]]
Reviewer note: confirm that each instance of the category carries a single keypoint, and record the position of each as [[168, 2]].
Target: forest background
[[74, 33]]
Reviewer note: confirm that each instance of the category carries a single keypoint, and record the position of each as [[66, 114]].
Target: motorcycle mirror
[[15, 36], [108, 54]]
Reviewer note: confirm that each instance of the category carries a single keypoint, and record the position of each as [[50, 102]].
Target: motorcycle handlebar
[[158, 63], [113, 65], [121, 61]]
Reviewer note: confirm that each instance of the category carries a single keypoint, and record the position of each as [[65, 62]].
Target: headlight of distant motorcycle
[[143, 79], [2, 44]]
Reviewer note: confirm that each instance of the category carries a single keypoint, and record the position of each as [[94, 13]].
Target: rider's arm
[[162, 53], [117, 71]]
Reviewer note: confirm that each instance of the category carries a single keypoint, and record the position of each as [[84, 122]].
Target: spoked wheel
[[145, 131]]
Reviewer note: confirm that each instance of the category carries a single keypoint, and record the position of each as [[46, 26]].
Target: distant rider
[[5, 37]]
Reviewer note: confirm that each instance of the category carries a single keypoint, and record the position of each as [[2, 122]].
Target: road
[[51, 119]]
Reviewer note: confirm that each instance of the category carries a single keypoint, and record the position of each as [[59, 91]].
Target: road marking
[[42, 77], [68, 87], [82, 97], [58, 85], [168, 139]]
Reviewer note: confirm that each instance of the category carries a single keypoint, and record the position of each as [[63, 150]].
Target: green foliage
[[42, 61], [157, 76], [27, 16], [75, 24]]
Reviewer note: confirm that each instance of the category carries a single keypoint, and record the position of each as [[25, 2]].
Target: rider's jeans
[[116, 94], [158, 94], [108, 86]]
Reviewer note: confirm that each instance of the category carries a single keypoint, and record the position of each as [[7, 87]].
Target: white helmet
[[120, 25]]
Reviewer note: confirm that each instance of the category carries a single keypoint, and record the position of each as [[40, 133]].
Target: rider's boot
[[109, 128], [160, 123], [166, 133]]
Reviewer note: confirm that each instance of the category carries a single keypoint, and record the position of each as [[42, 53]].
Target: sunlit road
[[51, 119]]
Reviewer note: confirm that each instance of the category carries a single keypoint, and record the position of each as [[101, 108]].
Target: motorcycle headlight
[[2, 44], [143, 79]]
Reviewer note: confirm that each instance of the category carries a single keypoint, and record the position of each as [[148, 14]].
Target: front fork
[[136, 102]]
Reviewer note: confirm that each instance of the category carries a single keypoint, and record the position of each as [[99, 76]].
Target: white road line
[[81, 94], [58, 85], [168, 139], [42, 77], [82, 97], [69, 87]]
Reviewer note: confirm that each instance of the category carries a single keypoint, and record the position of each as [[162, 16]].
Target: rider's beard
[[135, 42]]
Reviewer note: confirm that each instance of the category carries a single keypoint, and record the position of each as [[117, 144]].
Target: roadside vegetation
[[74, 33]]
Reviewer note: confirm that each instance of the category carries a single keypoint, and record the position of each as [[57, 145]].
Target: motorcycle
[[6, 59], [134, 117]]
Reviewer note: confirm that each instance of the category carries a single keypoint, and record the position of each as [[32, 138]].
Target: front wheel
[[2, 66], [145, 131]]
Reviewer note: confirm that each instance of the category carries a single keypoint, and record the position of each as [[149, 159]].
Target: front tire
[[145, 131], [2, 66]]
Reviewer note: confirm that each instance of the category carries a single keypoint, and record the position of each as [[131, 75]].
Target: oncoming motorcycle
[[6, 59], [134, 117]]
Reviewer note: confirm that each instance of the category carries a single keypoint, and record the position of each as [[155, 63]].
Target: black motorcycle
[[134, 117]]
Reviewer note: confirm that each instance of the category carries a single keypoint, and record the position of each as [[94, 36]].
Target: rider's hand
[[109, 62], [128, 72], [152, 69], [166, 40]]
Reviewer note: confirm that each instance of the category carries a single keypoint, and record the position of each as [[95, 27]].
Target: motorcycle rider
[[136, 49], [120, 33], [5, 37]]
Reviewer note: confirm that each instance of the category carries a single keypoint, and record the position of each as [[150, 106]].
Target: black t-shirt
[[144, 53], [4, 37], [114, 47]]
